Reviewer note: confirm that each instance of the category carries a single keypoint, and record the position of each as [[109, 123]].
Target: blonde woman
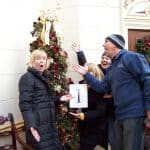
[[92, 121], [37, 104], [104, 65]]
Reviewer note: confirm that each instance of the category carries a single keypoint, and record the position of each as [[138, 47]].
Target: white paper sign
[[79, 92]]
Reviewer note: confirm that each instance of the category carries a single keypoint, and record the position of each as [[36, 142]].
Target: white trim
[[132, 21]]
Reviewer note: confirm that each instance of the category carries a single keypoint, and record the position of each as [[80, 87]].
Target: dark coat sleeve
[[26, 90], [81, 58], [100, 86]]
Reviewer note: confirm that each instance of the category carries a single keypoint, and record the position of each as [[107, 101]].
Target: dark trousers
[[89, 147], [111, 132], [129, 134]]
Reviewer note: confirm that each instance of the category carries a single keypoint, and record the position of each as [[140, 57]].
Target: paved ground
[[100, 148]]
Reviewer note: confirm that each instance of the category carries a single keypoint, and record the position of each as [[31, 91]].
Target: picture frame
[[80, 96]]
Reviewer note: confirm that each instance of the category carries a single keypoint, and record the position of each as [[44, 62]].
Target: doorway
[[133, 35]]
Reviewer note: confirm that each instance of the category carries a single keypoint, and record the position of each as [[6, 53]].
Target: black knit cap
[[117, 40], [105, 54]]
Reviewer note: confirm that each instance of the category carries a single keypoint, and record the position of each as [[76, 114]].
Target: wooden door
[[133, 35]]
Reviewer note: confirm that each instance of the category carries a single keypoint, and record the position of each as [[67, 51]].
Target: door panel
[[133, 35]]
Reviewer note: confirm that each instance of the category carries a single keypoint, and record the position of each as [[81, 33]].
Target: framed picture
[[79, 92]]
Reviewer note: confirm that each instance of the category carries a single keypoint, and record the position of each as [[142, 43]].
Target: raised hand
[[76, 47]]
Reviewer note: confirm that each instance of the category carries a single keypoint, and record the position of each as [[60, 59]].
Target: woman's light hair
[[95, 70], [33, 56]]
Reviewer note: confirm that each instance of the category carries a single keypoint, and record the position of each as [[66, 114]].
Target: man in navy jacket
[[128, 79]]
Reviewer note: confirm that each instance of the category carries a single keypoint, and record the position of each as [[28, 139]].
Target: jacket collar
[[122, 52], [44, 74]]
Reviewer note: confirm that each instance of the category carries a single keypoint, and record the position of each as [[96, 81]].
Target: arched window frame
[[137, 9]]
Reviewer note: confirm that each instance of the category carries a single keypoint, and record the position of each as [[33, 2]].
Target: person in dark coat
[[92, 123], [37, 104], [103, 66]]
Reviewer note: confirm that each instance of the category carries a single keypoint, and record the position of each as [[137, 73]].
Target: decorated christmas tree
[[45, 38]]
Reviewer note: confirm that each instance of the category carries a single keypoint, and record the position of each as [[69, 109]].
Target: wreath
[[143, 47]]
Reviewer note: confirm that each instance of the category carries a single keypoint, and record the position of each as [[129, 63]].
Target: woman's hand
[[66, 98], [78, 115], [76, 47], [107, 96], [35, 134]]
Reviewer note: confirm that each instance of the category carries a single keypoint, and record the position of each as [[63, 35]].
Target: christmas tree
[[46, 38]]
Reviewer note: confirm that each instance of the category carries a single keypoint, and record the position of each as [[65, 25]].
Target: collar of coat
[[44, 75]]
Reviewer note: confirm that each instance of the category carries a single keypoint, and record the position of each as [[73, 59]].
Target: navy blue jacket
[[129, 80]]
